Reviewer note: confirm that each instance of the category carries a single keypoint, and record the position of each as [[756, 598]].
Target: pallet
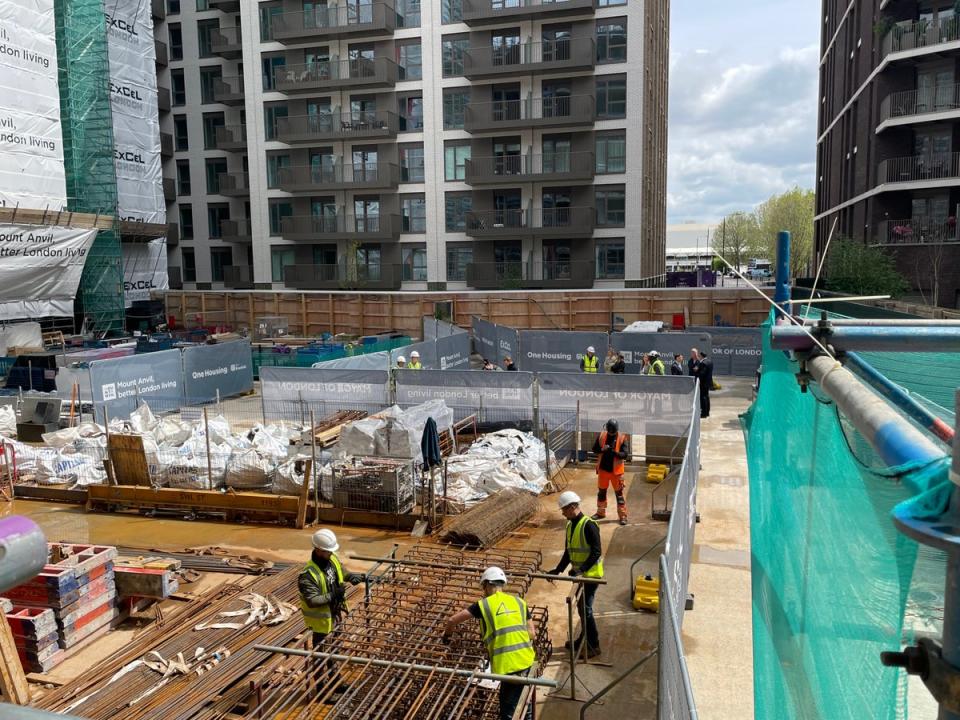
[[129, 460]]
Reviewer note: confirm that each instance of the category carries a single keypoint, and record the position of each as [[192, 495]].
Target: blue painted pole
[[781, 294], [876, 338]]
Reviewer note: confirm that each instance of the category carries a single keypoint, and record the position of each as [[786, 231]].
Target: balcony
[[334, 22], [341, 226], [238, 277], [173, 234], [563, 167], [166, 145], [231, 137], [237, 231], [337, 126], [333, 75], [920, 38], [158, 9], [342, 277], [227, 43], [503, 115], [227, 6], [169, 190], [162, 56], [917, 231], [540, 222], [486, 12], [554, 275], [228, 90], [336, 176], [544, 56], [904, 108], [163, 99], [930, 169], [236, 184]]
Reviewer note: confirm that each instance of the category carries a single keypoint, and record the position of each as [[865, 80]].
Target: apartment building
[[888, 147], [457, 144]]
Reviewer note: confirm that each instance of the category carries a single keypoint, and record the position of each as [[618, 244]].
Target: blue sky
[[743, 98]]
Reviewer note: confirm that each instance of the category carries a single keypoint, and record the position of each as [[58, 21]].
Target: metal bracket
[[925, 659]]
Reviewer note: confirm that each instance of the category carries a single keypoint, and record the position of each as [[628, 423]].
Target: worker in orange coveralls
[[611, 448]]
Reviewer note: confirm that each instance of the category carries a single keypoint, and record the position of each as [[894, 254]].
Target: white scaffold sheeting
[[504, 459], [22, 335], [144, 269]]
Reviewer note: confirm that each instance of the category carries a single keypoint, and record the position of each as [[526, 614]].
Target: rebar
[[492, 520]]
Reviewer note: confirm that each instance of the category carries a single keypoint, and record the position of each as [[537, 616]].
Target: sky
[[743, 99]]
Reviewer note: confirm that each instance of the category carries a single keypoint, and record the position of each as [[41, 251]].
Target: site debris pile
[[484, 525], [403, 622]]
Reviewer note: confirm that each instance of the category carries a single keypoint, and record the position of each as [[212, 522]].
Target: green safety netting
[[834, 582]]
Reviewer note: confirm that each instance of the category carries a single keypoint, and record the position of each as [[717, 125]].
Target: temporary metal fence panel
[[369, 361], [427, 350], [558, 350], [485, 340], [452, 352], [508, 341], [634, 345], [492, 396], [216, 371], [644, 405], [679, 547], [155, 378], [434, 328], [736, 351], [290, 393], [674, 691]]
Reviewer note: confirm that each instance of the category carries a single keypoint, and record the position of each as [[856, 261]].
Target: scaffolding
[[89, 155]]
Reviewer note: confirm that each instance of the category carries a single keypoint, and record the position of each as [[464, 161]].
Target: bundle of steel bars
[[402, 622], [492, 520]]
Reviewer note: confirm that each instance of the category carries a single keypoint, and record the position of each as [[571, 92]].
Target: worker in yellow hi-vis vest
[[506, 631], [590, 363], [322, 586]]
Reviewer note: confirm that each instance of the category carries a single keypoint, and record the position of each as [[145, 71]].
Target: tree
[[734, 236], [792, 211], [857, 269]]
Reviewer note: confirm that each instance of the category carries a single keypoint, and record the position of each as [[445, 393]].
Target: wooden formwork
[[310, 314]]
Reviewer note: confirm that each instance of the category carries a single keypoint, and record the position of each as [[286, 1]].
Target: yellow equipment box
[[656, 473], [646, 594]]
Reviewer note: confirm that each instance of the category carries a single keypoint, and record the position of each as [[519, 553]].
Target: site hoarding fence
[[634, 345], [558, 350], [736, 351], [216, 371], [492, 397], [289, 393]]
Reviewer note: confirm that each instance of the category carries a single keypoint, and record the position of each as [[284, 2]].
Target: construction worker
[[507, 632], [401, 362], [611, 448], [590, 363], [656, 366], [321, 586], [415, 361], [582, 552]]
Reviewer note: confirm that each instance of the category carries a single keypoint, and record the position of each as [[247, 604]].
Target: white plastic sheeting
[[393, 433], [644, 326], [26, 334], [8, 421]]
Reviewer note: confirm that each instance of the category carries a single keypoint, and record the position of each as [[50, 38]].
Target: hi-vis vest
[[656, 367], [590, 364], [578, 550], [320, 619], [504, 623], [415, 366], [617, 462]]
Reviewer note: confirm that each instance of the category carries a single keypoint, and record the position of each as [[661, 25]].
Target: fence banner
[[485, 342], [144, 269], [153, 377], [31, 140], [434, 328], [509, 344], [736, 351], [558, 350], [427, 350], [353, 387], [452, 352], [643, 405], [226, 368], [634, 345], [678, 550], [498, 396]]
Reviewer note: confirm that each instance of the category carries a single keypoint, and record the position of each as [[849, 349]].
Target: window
[[451, 11], [181, 138], [208, 80], [413, 209], [173, 7], [271, 66], [272, 113], [411, 113], [611, 153], [183, 177], [211, 121], [457, 207], [276, 163], [176, 41], [610, 259], [409, 58], [610, 3], [414, 262], [408, 11], [189, 264], [611, 205], [216, 214], [281, 257], [219, 259], [455, 155], [411, 163], [203, 5], [179, 87], [458, 257], [266, 20], [454, 108], [612, 40], [205, 30], [279, 209], [215, 167], [452, 48], [186, 222], [612, 96]]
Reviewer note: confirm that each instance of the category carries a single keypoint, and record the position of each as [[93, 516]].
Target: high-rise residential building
[[888, 145], [475, 144]]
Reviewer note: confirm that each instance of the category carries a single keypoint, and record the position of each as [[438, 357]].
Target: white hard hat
[[590, 349], [568, 497], [493, 575], [414, 354], [654, 353], [325, 540], [401, 358]]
